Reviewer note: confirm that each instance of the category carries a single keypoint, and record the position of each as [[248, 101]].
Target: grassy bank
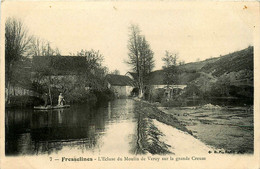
[[226, 130], [152, 112], [148, 137]]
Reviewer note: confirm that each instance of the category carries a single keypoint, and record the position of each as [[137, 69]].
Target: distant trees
[[17, 44], [181, 63], [94, 72], [40, 47], [222, 86], [170, 59], [170, 68], [140, 56], [93, 59], [115, 72]]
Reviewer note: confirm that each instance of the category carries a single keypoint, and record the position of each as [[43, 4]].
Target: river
[[109, 128], [125, 126]]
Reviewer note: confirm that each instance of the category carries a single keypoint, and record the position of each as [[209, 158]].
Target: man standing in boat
[[45, 98], [60, 100]]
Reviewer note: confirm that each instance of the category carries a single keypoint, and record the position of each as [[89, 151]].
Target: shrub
[[103, 95], [80, 95], [190, 90], [174, 102], [157, 95]]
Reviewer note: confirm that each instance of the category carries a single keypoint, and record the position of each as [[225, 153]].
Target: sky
[[196, 31]]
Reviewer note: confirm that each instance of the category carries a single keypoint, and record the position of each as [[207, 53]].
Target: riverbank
[[223, 130], [148, 135], [91, 97]]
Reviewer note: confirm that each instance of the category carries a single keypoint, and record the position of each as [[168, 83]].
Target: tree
[[95, 72], [181, 62], [223, 84], [115, 72], [93, 59], [170, 59], [40, 47], [170, 68], [140, 56], [17, 44], [146, 57]]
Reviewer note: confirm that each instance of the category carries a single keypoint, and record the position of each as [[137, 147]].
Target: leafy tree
[[140, 56], [223, 85]]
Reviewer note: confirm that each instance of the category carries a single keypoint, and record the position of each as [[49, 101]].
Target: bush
[[177, 102], [157, 95], [103, 95], [190, 90], [80, 95]]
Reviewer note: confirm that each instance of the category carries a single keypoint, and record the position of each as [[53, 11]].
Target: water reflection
[[79, 128]]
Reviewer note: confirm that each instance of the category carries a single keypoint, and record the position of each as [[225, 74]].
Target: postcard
[[129, 84]]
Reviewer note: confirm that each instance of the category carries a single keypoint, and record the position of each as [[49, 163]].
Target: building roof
[[154, 78], [158, 77], [119, 80], [133, 75], [59, 65]]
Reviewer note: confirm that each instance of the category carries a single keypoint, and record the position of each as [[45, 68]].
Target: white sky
[[194, 30]]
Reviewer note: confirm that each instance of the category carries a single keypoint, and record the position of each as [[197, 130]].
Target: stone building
[[121, 85]]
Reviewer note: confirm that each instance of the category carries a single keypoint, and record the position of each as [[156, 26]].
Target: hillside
[[196, 66], [233, 62], [230, 75]]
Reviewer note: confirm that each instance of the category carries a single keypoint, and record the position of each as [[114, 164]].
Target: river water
[[109, 128]]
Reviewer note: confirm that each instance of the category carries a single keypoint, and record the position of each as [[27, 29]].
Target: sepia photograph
[[98, 83]]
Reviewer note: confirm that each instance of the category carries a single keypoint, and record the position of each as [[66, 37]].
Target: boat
[[49, 107]]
